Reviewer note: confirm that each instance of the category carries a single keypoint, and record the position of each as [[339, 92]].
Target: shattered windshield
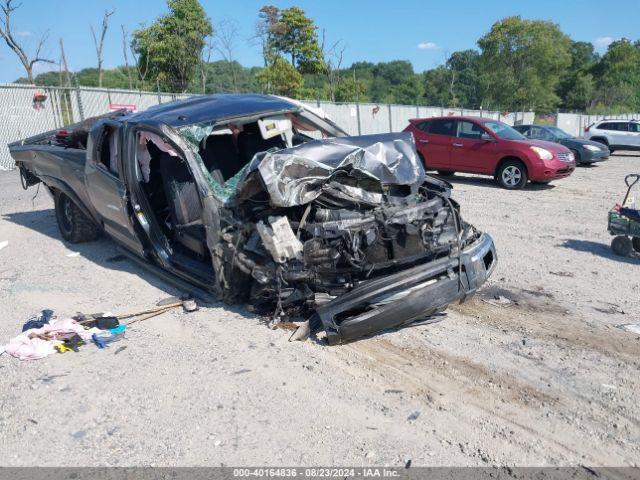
[[225, 149]]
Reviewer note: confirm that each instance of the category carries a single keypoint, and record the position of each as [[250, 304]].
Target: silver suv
[[616, 134]]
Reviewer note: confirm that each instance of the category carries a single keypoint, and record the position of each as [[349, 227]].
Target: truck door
[[103, 178]]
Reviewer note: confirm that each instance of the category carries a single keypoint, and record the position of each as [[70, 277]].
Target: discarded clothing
[[38, 321], [37, 343]]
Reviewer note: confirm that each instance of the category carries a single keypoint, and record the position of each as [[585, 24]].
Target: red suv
[[488, 147]]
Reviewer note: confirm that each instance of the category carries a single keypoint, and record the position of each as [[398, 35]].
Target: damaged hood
[[353, 169]]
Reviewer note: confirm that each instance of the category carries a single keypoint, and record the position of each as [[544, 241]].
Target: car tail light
[[586, 129]]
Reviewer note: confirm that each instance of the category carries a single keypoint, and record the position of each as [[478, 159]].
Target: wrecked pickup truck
[[265, 202]]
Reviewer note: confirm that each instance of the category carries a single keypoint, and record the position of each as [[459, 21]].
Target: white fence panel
[[19, 118]]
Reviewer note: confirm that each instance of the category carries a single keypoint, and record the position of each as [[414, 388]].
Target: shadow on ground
[[489, 182], [105, 252], [599, 249]]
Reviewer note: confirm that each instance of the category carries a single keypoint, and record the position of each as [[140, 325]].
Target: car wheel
[[576, 155], [74, 225], [636, 244], [622, 245], [512, 175], [446, 173]]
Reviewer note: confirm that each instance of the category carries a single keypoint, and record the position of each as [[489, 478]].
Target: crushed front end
[[347, 235]]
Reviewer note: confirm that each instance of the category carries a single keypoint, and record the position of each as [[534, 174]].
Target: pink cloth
[[26, 348]]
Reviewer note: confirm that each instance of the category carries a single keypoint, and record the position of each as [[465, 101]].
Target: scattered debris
[[562, 273], [4, 244], [42, 335], [73, 254], [500, 301], [38, 321], [413, 416], [630, 327]]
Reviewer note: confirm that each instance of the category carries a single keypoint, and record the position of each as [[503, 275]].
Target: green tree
[[351, 90], [577, 87], [280, 78], [170, 48], [581, 92], [618, 76], [436, 86], [522, 62], [464, 79], [296, 36]]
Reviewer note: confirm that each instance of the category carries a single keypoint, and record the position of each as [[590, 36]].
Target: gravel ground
[[547, 380]]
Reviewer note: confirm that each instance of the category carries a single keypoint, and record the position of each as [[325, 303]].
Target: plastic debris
[[631, 327], [4, 244], [102, 341]]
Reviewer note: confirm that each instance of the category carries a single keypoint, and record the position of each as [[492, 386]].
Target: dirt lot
[[547, 380]]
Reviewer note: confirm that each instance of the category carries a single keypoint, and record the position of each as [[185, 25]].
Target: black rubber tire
[[75, 226], [635, 242], [446, 173], [518, 166], [576, 155], [622, 245]]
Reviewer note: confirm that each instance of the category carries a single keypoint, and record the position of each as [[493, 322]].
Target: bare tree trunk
[[224, 42], [126, 57], [204, 62], [63, 61], [6, 34], [100, 43]]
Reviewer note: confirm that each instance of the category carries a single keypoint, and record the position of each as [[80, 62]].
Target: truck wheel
[[621, 245], [512, 175], [636, 244], [74, 225]]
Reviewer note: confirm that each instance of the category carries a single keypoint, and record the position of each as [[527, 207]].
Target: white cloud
[[601, 43], [24, 33], [428, 46]]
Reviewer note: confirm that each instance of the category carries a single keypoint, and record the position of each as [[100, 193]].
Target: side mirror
[[485, 137]]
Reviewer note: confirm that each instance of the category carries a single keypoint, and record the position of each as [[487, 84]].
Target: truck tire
[[75, 226], [636, 244], [512, 175], [621, 245]]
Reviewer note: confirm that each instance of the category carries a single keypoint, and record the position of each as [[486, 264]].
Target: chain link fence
[[28, 110]]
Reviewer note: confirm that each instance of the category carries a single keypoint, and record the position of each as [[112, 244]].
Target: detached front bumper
[[404, 297]]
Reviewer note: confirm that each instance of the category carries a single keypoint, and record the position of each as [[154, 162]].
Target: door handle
[[423, 141], [457, 144]]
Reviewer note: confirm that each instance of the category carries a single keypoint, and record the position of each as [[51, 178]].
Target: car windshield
[[561, 134], [504, 131]]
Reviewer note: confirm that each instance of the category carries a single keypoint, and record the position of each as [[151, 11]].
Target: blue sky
[[421, 31]]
